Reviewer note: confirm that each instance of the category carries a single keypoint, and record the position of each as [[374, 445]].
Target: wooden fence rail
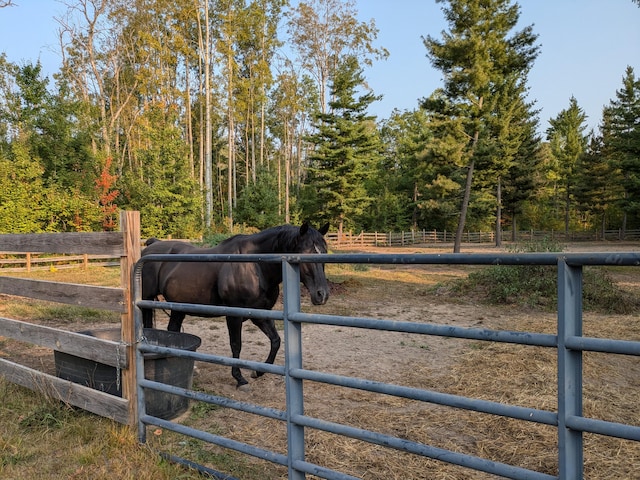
[[124, 246], [17, 261]]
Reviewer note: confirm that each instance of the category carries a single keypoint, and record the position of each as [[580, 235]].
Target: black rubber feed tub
[[160, 368]]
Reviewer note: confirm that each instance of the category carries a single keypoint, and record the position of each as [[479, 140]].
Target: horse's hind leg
[[234, 325], [268, 327]]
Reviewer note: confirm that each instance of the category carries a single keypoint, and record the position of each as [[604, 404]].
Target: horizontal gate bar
[[436, 453], [215, 400], [601, 427], [218, 359], [533, 258], [216, 440], [196, 466], [322, 472], [211, 310], [521, 338], [446, 399], [604, 345]]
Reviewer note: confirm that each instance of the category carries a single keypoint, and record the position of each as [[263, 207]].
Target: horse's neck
[[264, 242], [268, 241]]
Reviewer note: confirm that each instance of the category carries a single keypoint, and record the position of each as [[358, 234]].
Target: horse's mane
[[278, 238]]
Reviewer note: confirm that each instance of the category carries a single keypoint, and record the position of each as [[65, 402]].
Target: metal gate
[[569, 343]]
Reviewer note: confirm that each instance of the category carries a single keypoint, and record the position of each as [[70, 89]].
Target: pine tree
[[324, 33], [397, 180], [510, 162], [621, 132], [596, 187], [347, 148], [568, 143], [478, 57]]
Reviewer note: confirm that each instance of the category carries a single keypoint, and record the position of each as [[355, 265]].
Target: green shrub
[[536, 285]]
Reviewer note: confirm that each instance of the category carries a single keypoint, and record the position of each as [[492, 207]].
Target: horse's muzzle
[[319, 297]]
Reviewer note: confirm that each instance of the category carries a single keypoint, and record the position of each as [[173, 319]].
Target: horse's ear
[[304, 229], [324, 229]]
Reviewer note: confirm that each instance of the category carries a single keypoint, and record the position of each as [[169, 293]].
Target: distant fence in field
[[20, 261], [413, 237]]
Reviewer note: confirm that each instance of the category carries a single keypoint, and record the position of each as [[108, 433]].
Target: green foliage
[[21, 193], [621, 142], [27, 205], [213, 239], [258, 203], [595, 191], [133, 93], [536, 285], [532, 285], [347, 149], [161, 188], [398, 201], [568, 143], [480, 110]]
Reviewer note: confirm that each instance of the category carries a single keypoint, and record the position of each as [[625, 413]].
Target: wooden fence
[[124, 245], [415, 237], [18, 261], [11, 261]]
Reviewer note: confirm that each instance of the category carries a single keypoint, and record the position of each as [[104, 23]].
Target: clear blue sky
[[586, 46]]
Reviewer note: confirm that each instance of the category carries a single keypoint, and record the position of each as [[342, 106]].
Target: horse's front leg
[[175, 321], [268, 327], [147, 318], [234, 325]]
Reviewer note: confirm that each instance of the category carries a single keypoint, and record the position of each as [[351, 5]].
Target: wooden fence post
[[130, 228]]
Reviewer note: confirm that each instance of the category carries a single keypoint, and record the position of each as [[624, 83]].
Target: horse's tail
[[150, 241]]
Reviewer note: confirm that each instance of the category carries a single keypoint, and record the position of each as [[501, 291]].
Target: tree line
[[230, 115]]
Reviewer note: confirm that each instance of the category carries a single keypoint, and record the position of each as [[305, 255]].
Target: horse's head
[[312, 274]]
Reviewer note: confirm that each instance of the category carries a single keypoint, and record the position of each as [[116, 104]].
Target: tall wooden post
[[130, 228]]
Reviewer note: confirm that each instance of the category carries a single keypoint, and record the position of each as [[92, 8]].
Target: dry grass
[[42, 438]]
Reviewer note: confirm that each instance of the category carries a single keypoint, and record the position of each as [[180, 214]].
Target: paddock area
[[493, 371]]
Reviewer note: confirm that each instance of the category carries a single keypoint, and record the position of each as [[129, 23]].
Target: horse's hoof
[[255, 374], [243, 388]]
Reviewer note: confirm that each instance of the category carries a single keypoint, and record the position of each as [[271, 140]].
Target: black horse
[[234, 284]]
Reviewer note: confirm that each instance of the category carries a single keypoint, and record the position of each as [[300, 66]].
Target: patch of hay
[[510, 374]]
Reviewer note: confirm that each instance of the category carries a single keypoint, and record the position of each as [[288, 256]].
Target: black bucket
[[171, 370]]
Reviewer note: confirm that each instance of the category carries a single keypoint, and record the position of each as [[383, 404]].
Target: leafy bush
[[214, 239], [536, 285]]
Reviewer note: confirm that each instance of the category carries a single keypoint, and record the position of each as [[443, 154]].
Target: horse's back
[[189, 282], [155, 246]]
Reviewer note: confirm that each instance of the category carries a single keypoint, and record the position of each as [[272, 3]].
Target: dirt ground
[[442, 364]]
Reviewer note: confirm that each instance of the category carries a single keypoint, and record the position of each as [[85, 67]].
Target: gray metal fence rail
[[569, 343]]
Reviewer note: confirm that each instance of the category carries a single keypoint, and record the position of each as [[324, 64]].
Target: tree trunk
[[464, 208], [287, 178], [188, 124], [208, 164], [414, 215], [567, 206], [230, 145], [499, 213], [467, 189]]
